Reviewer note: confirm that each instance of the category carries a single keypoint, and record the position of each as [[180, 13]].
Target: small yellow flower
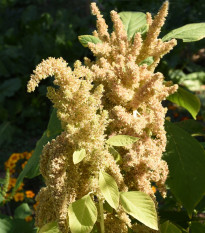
[[19, 197], [28, 218], [30, 194]]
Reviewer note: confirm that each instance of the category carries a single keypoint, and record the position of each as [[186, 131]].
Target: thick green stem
[[102, 226]]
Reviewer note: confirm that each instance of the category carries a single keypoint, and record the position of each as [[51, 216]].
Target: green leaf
[[197, 227], [32, 167], [82, 215], [133, 22], [78, 156], [95, 229], [9, 87], [8, 225], [1, 198], [116, 155], [194, 128], [186, 162], [22, 211], [51, 227], [168, 227], [148, 61], [107, 207], [121, 140], [143, 30], [85, 39], [109, 189], [141, 207], [6, 132], [5, 225], [186, 100], [188, 33]]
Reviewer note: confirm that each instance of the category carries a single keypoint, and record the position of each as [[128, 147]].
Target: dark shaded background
[[32, 30]]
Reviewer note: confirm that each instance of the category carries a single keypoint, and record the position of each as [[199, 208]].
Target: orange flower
[[20, 187], [23, 164], [30, 194], [154, 189], [28, 218], [28, 156], [19, 197], [35, 205], [12, 182]]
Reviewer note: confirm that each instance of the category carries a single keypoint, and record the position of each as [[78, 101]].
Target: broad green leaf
[[133, 22], [32, 167], [9, 87], [186, 162], [85, 39], [121, 140], [78, 156], [22, 211], [109, 189], [186, 100], [188, 33], [194, 128], [141, 207], [116, 155], [82, 215], [148, 61], [168, 227], [51, 227], [9, 225], [6, 225], [197, 227]]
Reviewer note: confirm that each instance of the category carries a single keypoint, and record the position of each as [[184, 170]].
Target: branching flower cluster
[[116, 94]]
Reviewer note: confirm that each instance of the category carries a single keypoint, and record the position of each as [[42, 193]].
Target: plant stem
[[102, 226]]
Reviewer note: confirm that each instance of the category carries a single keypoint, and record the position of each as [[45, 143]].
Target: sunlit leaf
[[51, 227], [85, 39], [78, 156], [133, 22], [121, 140], [188, 33], [141, 207], [82, 215], [116, 155], [148, 61], [186, 100], [109, 189]]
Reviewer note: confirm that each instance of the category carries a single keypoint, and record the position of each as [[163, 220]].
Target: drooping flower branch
[[113, 95]]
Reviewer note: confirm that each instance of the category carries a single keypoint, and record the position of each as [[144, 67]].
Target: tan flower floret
[[112, 95]]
